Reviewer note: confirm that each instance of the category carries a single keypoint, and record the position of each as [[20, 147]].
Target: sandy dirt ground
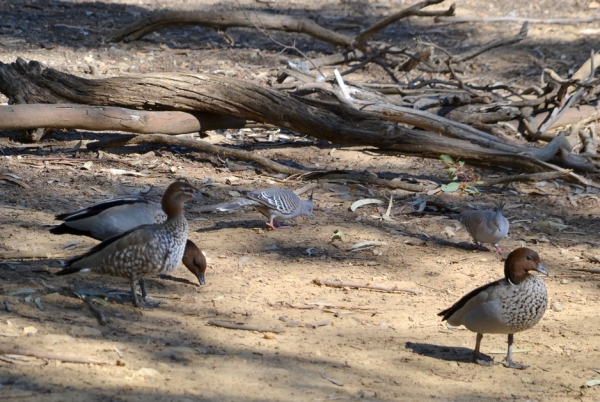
[[327, 343]]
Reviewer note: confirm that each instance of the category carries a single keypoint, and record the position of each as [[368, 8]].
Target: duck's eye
[[529, 257]]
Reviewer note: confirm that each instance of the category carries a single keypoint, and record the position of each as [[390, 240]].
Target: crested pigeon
[[275, 203]]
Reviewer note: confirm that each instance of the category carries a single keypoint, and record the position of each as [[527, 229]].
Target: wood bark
[[106, 118], [31, 82], [229, 19]]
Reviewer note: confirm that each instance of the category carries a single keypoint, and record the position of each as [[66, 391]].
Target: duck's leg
[[509, 361], [142, 283], [498, 249], [477, 358], [136, 302]]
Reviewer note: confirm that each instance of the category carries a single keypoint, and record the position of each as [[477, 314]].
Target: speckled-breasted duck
[[108, 218], [506, 306], [145, 250]]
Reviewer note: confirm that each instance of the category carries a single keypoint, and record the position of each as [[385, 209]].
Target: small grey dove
[[486, 226], [275, 203]]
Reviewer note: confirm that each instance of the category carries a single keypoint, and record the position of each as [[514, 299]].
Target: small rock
[[556, 306], [30, 330], [564, 281], [284, 318], [269, 335], [145, 372]]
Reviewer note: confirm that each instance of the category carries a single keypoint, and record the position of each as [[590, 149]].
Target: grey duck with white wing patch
[[506, 306], [145, 250], [108, 218]]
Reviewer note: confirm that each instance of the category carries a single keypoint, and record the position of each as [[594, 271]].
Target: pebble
[[556, 306]]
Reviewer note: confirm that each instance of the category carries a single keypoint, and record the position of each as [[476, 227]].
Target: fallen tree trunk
[[31, 82]]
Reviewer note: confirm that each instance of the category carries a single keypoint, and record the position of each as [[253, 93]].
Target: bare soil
[[338, 344]]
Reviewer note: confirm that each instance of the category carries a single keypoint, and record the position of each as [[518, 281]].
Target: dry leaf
[[365, 201], [117, 172]]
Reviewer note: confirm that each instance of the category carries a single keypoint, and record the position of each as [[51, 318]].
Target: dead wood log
[[104, 118], [30, 82], [220, 21]]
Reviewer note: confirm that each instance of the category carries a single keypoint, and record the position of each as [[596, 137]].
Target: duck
[[513, 304], [151, 249], [276, 204], [108, 218], [486, 226]]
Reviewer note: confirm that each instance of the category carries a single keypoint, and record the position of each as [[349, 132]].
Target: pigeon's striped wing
[[284, 201]]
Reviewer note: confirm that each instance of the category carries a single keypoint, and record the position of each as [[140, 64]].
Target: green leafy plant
[[463, 177]]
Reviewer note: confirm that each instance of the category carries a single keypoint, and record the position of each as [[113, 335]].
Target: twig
[[201, 145], [230, 325], [564, 21], [588, 270], [476, 51], [340, 284], [6, 350], [591, 257], [343, 87], [14, 181], [535, 177], [315, 325], [415, 10], [95, 310], [559, 111], [285, 47], [15, 255]]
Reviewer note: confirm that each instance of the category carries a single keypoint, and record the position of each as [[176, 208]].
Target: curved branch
[[224, 20], [415, 10], [197, 144]]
